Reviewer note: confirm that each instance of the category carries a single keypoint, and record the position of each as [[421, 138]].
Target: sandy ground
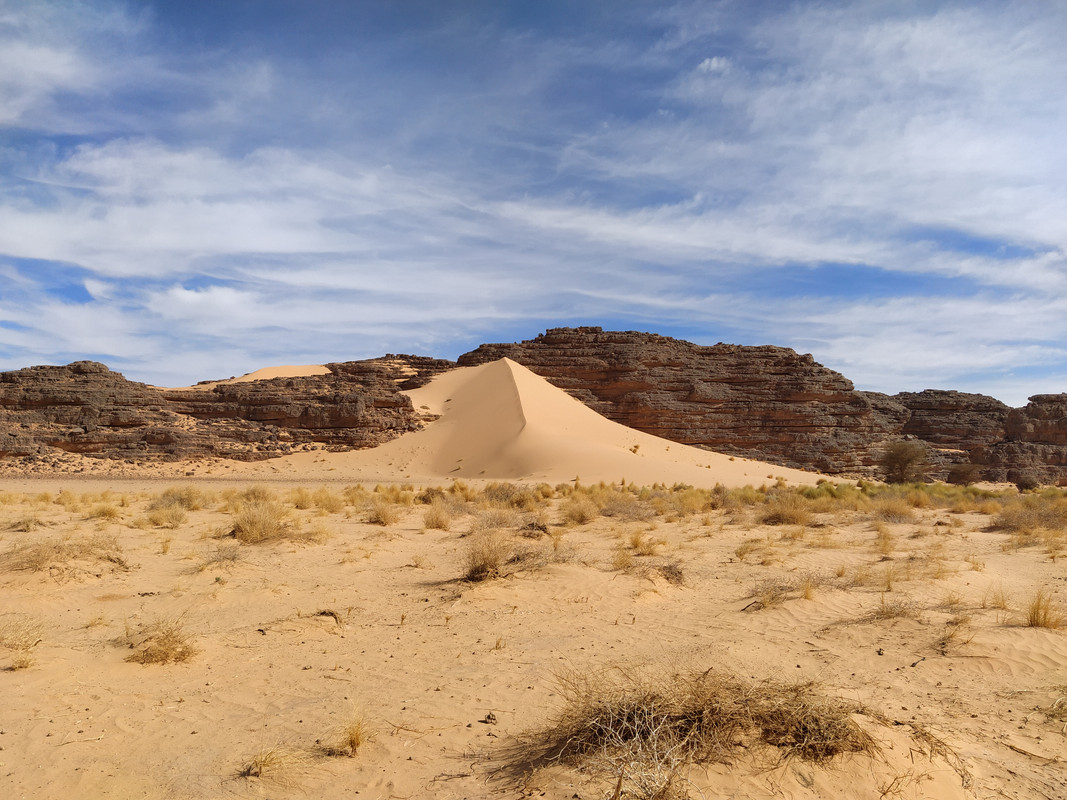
[[359, 611]]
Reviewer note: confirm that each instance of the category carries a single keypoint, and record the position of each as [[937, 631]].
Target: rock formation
[[767, 403], [86, 408]]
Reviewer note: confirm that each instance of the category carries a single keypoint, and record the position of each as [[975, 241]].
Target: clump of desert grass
[[891, 608], [511, 495], [579, 510], [170, 509], [163, 641], [20, 634], [785, 508], [893, 509], [276, 764], [347, 740], [494, 554], [259, 519], [59, 552], [27, 523], [382, 511], [643, 731], [486, 556], [1044, 612], [224, 554], [1027, 517], [492, 519], [438, 515], [107, 512]]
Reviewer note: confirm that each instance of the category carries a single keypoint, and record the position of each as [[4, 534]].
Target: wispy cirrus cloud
[[189, 191]]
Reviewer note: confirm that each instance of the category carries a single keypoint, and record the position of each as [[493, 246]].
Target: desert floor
[[354, 621]]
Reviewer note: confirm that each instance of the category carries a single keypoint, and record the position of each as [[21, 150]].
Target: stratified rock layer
[[86, 408], [767, 403]]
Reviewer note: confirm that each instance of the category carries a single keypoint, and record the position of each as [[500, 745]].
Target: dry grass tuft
[[168, 517], [1032, 513], [53, 553], [892, 609], [187, 498], [579, 510], [161, 642], [225, 554], [893, 509], [438, 516], [785, 508], [642, 732], [487, 554], [1044, 612], [491, 519], [104, 511], [20, 634], [260, 520], [279, 765], [26, 524], [382, 512], [349, 739]]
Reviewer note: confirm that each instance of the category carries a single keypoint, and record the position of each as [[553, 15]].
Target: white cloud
[[406, 206]]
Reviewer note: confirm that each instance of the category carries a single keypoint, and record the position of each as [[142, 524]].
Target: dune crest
[[501, 421], [263, 374]]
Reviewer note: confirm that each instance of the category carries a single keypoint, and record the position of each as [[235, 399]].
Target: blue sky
[[195, 189]]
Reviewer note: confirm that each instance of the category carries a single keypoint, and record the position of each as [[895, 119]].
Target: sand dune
[[264, 374], [501, 421]]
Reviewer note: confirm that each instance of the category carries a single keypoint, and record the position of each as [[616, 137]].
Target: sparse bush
[[1025, 480], [349, 739], [382, 512], [104, 511], [224, 554], [260, 520], [161, 642], [491, 519], [643, 731], [187, 498], [328, 501], [964, 474], [50, 553], [785, 508], [167, 517], [579, 510], [904, 462], [1043, 612], [277, 764], [1047, 511], [486, 555], [438, 516], [893, 509], [20, 634]]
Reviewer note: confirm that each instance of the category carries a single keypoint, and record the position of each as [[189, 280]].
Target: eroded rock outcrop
[[767, 403], [1034, 446], [86, 408]]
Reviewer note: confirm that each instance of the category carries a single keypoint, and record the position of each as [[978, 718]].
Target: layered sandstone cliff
[[86, 408], [768, 403]]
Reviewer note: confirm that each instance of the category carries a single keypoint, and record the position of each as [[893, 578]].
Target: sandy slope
[[264, 374], [295, 638], [919, 620], [500, 421]]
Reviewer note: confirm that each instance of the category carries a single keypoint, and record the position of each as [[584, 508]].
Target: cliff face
[[758, 402], [767, 403], [86, 408], [1034, 445]]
